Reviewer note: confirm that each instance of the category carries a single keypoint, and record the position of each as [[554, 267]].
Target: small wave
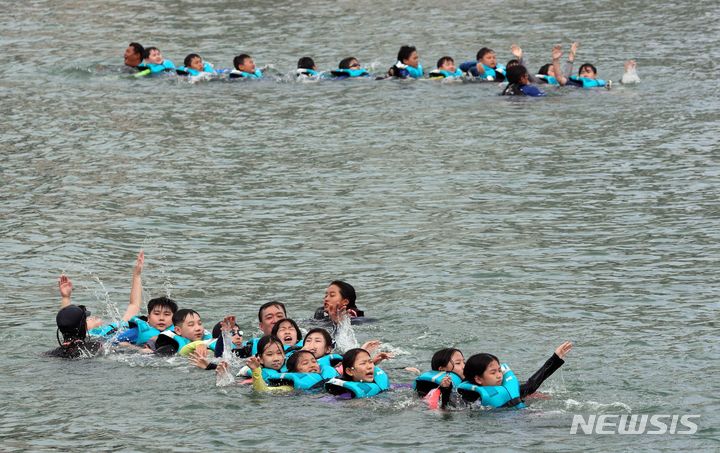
[[594, 406]]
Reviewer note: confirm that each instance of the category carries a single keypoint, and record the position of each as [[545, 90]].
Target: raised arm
[[66, 287], [545, 371], [135, 289], [571, 59], [518, 54], [557, 53]]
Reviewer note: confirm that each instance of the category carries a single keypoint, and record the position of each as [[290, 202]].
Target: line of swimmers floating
[[282, 360], [485, 67]]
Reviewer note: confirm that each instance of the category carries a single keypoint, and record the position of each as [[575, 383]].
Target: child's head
[[270, 313], [153, 55], [511, 63], [160, 312], [587, 71], [483, 369], [134, 54], [547, 69], [306, 63], [449, 359], [318, 341], [287, 331], [518, 75], [72, 322], [237, 334], [358, 366], [188, 324], [408, 55], [446, 64], [487, 57], [244, 63], [349, 63], [303, 362], [339, 294], [271, 353], [193, 61]]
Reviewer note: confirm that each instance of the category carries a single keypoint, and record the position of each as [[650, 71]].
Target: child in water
[[445, 69], [194, 66], [245, 68], [485, 370], [303, 361], [361, 378], [270, 354], [289, 333], [436, 385], [485, 67], [155, 62], [349, 67], [306, 68], [519, 83], [408, 64]]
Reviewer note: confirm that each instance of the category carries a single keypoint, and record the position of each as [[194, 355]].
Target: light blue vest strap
[[415, 73], [550, 80], [361, 389], [145, 330], [329, 360], [496, 396], [589, 83], [435, 377]]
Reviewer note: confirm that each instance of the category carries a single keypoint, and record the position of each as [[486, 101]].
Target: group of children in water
[[282, 360], [520, 82]]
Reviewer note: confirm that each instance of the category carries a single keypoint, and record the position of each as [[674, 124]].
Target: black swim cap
[[72, 322]]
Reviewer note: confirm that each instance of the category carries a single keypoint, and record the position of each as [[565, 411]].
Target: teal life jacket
[[505, 395], [299, 381], [441, 73], [550, 80], [184, 70], [145, 330], [431, 379], [379, 384], [330, 360], [347, 73], [108, 330], [492, 73], [300, 72], [175, 341], [165, 66], [235, 74], [588, 83]]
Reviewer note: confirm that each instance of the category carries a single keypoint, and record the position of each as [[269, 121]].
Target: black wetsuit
[[77, 350], [321, 314]]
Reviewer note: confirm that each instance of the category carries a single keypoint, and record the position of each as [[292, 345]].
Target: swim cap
[[72, 322]]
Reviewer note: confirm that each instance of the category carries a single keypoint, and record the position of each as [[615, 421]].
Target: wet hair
[[276, 328], [405, 52], [162, 302], [180, 316], [72, 323], [240, 59], [587, 65], [511, 63], [147, 51], [348, 361], [544, 69], [477, 364], [306, 63], [266, 305], [515, 73], [346, 292], [266, 341], [139, 49], [292, 362], [482, 52], [189, 59], [326, 335], [443, 60], [345, 62], [442, 358]]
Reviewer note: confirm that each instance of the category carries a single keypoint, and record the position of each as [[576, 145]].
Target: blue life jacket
[[136, 331], [179, 341], [588, 83], [207, 67], [330, 360], [550, 80], [441, 73], [300, 381], [431, 379], [404, 71], [491, 74], [346, 73], [145, 330], [505, 395], [107, 330], [235, 74], [155, 68], [300, 72], [380, 383]]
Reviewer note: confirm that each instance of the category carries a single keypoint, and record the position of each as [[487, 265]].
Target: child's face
[[492, 376], [160, 317], [456, 364], [315, 343], [196, 63], [237, 338], [551, 71], [489, 59], [363, 369], [354, 64], [413, 60], [272, 357], [191, 328], [525, 79], [448, 65], [248, 65], [287, 334], [307, 364], [587, 73], [155, 57], [333, 299]]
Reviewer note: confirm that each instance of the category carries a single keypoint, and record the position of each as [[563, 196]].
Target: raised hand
[[65, 286], [370, 346], [557, 52], [139, 263], [382, 356], [516, 51], [563, 349], [573, 50], [253, 363], [199, 358]]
